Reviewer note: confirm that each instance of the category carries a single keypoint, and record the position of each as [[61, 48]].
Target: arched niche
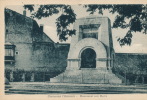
[[88, 58]]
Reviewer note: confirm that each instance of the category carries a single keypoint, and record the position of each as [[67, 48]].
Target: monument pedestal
[[87, 75]]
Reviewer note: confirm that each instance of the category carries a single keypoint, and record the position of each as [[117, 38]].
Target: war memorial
[[91, 55]]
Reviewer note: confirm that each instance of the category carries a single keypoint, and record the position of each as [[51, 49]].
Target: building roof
[[35, 24]]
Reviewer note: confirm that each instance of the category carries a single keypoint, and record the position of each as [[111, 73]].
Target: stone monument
[[91, 55]]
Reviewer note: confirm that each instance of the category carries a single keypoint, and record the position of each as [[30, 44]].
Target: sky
[[139, 41]]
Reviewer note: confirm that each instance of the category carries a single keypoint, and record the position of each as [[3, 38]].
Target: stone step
[[85, 76]]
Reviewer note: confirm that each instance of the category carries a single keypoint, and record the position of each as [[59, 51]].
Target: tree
[[136, 14]]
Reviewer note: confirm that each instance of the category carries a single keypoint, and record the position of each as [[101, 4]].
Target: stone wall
[[50, 58], [129, 60]]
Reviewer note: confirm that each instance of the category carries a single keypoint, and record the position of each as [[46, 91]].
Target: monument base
[[87, 75]]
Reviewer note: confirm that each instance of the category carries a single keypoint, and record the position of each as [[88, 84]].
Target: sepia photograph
[[77, 49]]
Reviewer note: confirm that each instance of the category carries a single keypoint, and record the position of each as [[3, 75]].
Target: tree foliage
[[136, 14], [66, 18]]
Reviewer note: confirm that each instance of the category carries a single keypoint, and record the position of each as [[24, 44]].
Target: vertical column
[[23, 77], [109, 63], [68, 64], [32, 77], [11, 76], [79, 63]]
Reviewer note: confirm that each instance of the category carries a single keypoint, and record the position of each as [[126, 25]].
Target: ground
[[68, 88]]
